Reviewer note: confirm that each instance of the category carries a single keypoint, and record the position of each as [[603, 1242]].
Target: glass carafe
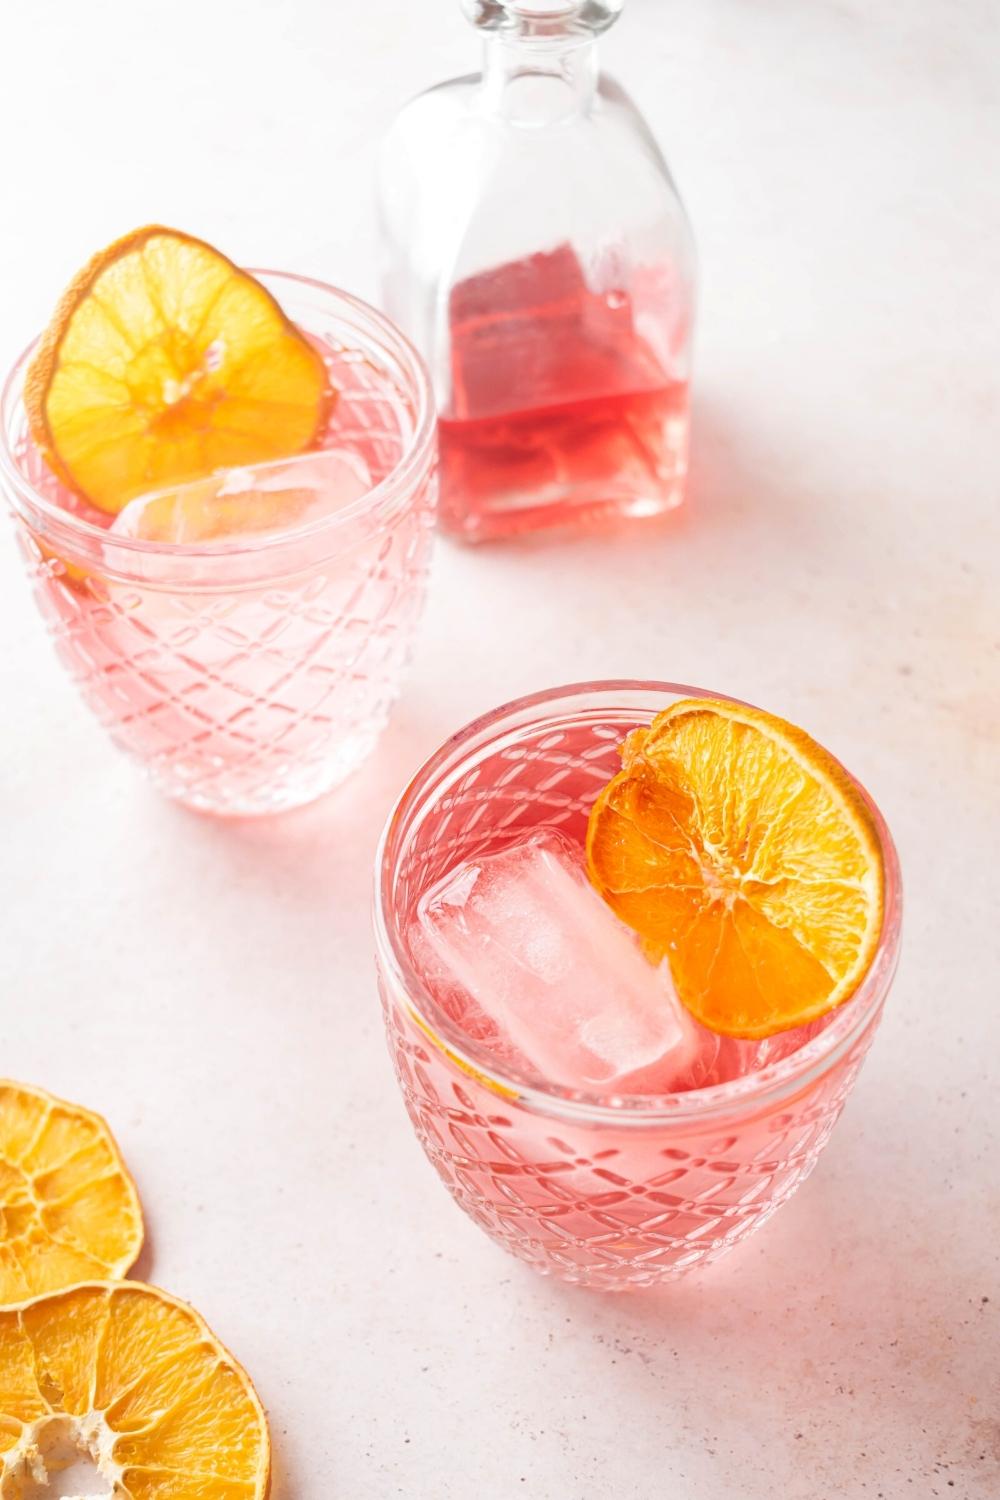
[[536, 250]]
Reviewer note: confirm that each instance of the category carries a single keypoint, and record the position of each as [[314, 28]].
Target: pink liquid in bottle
[[560, 410]]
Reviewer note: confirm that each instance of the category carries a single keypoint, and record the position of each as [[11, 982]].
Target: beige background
[[210, 988]]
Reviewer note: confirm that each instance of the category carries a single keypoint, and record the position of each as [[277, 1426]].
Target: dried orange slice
[[68, 1208], [121, 1379], [164, 362], [741, 850]]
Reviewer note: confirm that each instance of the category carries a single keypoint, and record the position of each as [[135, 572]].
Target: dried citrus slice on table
[[163, 362], [125, 1378], [68, 1207], [741, 850]]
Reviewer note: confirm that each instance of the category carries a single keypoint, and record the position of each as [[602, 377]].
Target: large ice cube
[[532, 333], [537, 950], [235, 503]]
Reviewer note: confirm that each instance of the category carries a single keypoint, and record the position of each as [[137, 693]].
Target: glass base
[[577, 508], [300, 788]]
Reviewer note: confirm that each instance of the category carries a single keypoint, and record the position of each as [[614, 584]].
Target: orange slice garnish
[[743, 852], [68, 1208], [164, 362], [132, 1384]]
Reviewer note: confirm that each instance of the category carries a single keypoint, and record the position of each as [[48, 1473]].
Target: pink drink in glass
[[608, 1189], [559, 409], [255, 673]]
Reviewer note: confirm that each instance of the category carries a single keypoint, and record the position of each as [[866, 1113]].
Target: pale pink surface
[[844, 481]]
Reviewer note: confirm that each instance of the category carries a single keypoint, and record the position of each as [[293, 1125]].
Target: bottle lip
[[539, 21]]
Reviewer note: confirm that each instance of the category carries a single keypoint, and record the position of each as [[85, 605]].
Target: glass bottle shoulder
[[450, 148], [445, 111], [465, 189]]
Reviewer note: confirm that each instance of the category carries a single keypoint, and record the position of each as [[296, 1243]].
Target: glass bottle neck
[[539, 81]]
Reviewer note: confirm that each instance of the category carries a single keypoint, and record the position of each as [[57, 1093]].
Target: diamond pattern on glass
[[599, 1209], [251, 691], [602, 1204]]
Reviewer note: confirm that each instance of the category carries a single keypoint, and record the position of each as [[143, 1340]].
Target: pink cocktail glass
[[252, 676], [607, 1193]]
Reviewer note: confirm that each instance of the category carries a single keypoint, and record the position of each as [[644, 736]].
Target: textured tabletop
[[210, 988]]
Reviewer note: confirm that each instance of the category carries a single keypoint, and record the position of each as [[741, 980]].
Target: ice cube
[[533, 333], [538, 951], [235, 503]]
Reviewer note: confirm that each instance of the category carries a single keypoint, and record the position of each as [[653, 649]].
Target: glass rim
[[388, 491], [769, 1085]]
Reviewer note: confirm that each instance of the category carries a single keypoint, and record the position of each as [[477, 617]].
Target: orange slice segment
[[68, 1208], [741, 850], [163, 362], [131, 1383]]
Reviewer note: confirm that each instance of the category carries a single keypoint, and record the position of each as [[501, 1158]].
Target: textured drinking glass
[[252, 675], [536, 250], [606, 1194]]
